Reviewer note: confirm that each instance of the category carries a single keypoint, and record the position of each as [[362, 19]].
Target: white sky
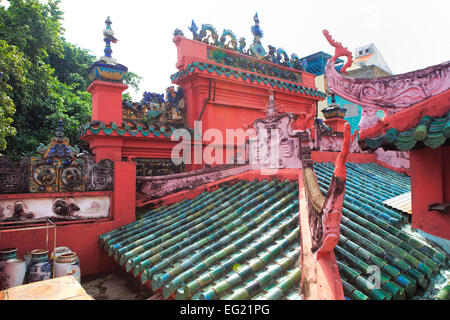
[[410, 34]]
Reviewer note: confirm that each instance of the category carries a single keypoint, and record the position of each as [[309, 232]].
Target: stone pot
[[15, 269], [40, 267], [68, 264]]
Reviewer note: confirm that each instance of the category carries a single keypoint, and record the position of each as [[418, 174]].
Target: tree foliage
[[13, 67], [45, 78]]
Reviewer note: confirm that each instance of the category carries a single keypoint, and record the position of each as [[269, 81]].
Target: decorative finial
[[108, 33], [256, 19], [60, 129], [256, 30], [256, 48], [107, 68]]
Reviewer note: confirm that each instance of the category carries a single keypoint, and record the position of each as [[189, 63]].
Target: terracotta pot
[[15, 269], [40, 267], [5, 255], [68, 264]]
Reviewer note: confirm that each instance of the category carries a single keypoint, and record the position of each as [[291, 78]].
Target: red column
[[429, 181], [336, 124], [107, 101], [124, 198]]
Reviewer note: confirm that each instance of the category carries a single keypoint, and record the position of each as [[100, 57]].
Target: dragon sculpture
[[232, 44], [212, 38], [325, 212]]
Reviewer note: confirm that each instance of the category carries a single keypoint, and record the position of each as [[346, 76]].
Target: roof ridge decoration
[[153, 109], [209, 35], [57, 168], [391, 93], [256, 49], [59, 146]]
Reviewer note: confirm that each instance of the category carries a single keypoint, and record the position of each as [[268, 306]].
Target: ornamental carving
[[100, 176], [57, 169], [157, 167], [153, 109], [14, 176], [54, 208], [275, 145], [391, 93]]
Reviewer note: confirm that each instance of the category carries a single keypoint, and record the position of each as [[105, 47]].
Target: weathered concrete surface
[[113, 286]]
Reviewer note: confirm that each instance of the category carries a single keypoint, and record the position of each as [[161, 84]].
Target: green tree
[[56, 73], [13, 67]]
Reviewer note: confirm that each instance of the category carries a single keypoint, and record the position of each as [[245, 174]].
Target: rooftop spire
[[256, 48], [108, 34]]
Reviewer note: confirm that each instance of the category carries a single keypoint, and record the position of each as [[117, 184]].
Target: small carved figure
[[21, 212], [65, 207], [175, 103], [242, 45]]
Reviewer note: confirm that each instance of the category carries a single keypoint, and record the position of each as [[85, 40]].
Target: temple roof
[[241, 241], [430, 132]]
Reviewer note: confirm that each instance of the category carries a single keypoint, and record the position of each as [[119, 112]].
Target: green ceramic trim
[[432, 131], [273, 82], [113, 127]]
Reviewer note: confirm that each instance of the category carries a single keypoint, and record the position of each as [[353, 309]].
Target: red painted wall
[[325, 156], [227, 102], [430, 183], [82, 237]]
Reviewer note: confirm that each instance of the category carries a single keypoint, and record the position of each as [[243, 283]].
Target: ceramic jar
[[68, 264], [5, 255], [27, 258], [40, 267], [59, 251], [15, 269]]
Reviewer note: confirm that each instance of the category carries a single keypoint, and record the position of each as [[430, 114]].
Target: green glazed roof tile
[[242, 241], [432, 131]]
